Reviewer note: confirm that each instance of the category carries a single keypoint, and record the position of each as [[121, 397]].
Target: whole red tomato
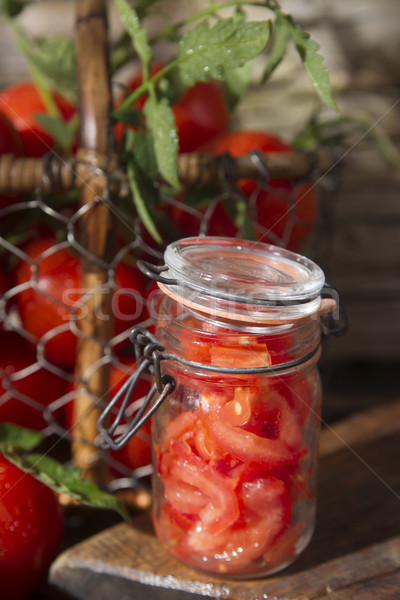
[[31, 391], [4, 282], [200, 115], [50, 303], [21, 102], [10, 143], [31, 529], [283, 212], [201, 112]]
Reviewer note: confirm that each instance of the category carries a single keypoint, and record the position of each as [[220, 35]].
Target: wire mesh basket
[[71, 221]]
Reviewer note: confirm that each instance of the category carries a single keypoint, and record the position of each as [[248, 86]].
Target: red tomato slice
[[183, 497], [300, 390], [221, 509], [255, 355], [272, 437], [265, 515], [283, 549], [177, 428]]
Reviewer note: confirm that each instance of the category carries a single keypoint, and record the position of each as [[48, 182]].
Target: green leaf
[[12, 8], [236, 83], [13, 437], [281, 36], [68, 480], [313, 62], [52, 57], [143, 150], [205, 52], [140, 203], [61, 132], [131, 22], [130, 116], [161, 122], [60, 478]]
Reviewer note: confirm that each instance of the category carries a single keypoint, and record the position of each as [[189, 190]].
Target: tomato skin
[[59, 276], [10, 143], [200, 115], [276, 205], [21, 102], [31, 529], [4, 282], [41, 386], [238, 143]]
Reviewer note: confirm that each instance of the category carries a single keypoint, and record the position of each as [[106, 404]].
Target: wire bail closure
[[147, 352]]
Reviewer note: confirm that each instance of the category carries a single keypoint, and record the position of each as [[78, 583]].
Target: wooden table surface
[[354, 554]]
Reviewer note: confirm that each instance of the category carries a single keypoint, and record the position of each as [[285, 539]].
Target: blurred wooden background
[[358, 244]]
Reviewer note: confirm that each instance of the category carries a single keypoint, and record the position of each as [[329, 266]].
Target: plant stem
[[148, 84]]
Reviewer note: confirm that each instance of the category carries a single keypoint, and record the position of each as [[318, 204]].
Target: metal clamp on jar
[[235, 403]]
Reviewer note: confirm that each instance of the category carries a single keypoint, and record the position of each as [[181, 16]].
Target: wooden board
[[355, 551]]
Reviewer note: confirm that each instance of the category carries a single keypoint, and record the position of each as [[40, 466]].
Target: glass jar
[[235, 442]]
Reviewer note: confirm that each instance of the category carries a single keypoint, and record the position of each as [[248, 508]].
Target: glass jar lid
[[241, 279]]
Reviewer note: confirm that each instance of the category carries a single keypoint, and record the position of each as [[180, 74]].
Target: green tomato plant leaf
[[236, 83], [280, 39], [312, 60], [161, 122], [143, 151], [60, 478], [63, 133], [128, 116], [66, 479], [12, 8], [54, 58], [131, 22], [206, 52], [140, 203], [13, 437]]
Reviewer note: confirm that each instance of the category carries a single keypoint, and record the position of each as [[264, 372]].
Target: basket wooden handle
[[24, 175]]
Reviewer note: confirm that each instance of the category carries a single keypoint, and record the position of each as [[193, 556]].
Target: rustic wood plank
[[385, 587], [128, 562], [357, 538], [361, 428]]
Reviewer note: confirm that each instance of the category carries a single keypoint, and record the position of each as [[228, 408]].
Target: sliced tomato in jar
[[270, 437], [221, 508], [265, 514], [300, 389], [285, 547], [255, 355]]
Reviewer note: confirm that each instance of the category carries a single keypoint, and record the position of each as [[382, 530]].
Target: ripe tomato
[[21, 102], [31, 529], [10, 143], [31, 391], [284, 213], [4, 283], [200, 113], [49, 303], [188, 221]]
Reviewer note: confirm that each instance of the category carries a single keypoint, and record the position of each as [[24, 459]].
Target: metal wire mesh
[[41, 245]]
